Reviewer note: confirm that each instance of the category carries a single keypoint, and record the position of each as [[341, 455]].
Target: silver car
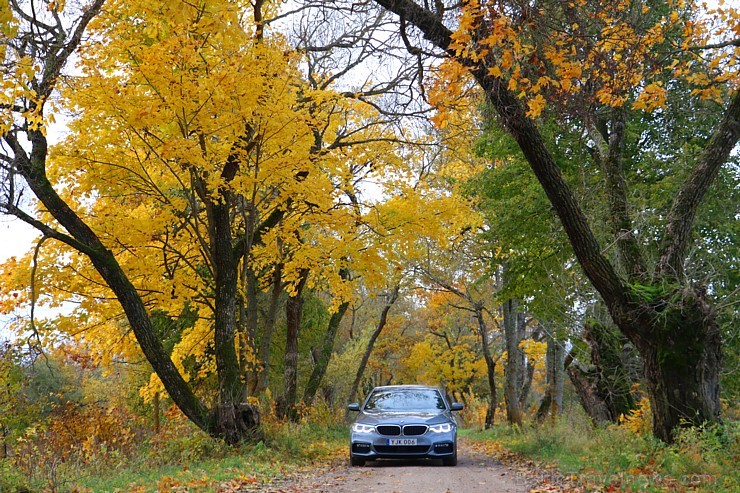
[[404, 422]]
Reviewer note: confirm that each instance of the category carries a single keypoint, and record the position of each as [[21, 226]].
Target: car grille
[[414, 430], [389, 430], [402, 449], [408, 430]]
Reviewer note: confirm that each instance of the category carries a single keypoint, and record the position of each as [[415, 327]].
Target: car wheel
[[356, 461], [450, 461]]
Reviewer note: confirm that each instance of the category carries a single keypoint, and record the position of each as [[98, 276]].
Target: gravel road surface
[[473, 473]]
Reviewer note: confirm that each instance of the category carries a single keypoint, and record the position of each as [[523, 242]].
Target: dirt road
[[473, 473]]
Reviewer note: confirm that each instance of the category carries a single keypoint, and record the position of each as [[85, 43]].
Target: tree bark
[[324, 355], [552, 402], [513, 371], [609, 150], [374, 337], [490, 367], [682, 362], [157, 412], [527, 384], [225, 267], [247, 328], [612, 380], [263, 377], [294, 316], [584, 382]]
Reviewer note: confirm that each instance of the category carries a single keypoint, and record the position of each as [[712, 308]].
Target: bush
[[76, 440], [320, 432], [179, 441], [474, 413], [11, 479]]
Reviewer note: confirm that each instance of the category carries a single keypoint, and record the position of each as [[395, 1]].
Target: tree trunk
[[374, 337], [530, 367], [612, 380], [263, 377], [544, 408], [513, 371], [237, 422], [558, 379], [584, 382], [490, 367], [324, 354], [552, 401], [157, 412], [247, 330], [230, 385], [527, 386], [294, 316], [682, 363]]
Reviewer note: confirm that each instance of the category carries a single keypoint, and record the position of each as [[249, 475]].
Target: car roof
[[407, 387]]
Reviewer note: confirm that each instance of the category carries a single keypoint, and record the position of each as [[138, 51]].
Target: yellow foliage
[[536, 105], [455, 368], [652, 97], [167, 94], [639, 421]]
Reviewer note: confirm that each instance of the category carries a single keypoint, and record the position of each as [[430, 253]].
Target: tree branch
[[681, 218]]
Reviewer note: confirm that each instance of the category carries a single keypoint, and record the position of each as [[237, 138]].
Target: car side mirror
[[456, 407], [354, 407]]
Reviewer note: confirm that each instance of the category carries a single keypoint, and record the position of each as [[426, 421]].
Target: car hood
[[376, 418]]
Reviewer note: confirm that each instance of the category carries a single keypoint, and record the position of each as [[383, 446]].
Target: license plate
[[401, 441]]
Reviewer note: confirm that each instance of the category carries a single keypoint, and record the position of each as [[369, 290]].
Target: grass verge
[[573, 456]]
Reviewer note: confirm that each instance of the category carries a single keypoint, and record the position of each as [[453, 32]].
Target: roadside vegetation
[[570, 455], [73, 455], [115, 452]]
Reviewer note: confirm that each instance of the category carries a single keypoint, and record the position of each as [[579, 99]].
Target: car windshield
[[405, 400]]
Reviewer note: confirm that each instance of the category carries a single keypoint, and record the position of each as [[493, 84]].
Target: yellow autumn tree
[[206, 172], [449, 353], [190, 175]]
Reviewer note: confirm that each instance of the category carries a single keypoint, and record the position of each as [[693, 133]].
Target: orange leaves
[[652, 97], [90, 435], [536, 105], [611, 54]]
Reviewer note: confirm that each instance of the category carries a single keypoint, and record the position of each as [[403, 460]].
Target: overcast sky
[[16, 238]]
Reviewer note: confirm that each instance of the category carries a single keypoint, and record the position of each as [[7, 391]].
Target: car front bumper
[[371, 446]]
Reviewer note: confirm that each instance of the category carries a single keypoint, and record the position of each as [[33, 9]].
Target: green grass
[[202, 475], [617, 459]]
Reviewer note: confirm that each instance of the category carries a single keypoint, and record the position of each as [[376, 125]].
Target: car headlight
[[360, 428], [441, 428]]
